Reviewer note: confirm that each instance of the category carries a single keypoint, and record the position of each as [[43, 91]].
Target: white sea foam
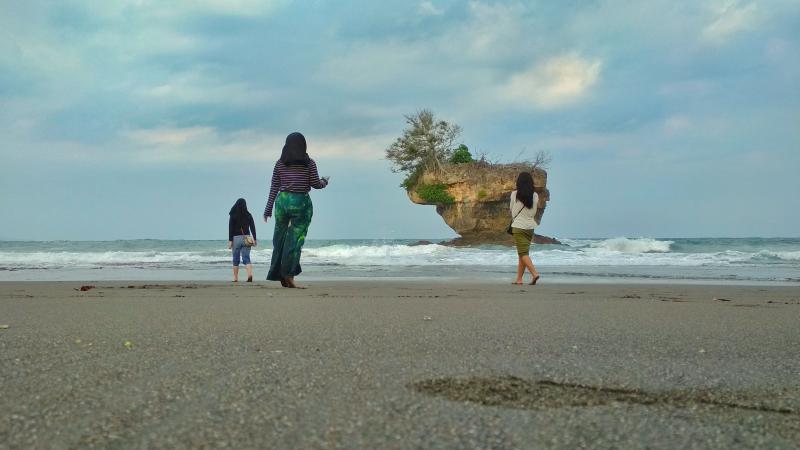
[[88, 259], [403, 255], [577, 252], [785, 256], [640, 245], [339, 252]]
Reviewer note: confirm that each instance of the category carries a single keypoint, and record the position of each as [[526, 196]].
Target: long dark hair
[[239, 212], [294, 151], [525, 189]]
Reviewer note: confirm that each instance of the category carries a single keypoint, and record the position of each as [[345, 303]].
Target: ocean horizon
[[754, 261]]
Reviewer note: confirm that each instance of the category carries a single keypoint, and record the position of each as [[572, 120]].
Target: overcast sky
[[148, 119]]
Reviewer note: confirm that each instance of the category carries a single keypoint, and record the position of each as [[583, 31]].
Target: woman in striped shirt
[[294, 175]]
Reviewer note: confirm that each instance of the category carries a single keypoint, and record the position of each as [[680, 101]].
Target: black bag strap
[[518, 213]]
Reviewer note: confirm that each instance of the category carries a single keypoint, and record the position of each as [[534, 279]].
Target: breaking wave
[[641, 245], [621, 251]]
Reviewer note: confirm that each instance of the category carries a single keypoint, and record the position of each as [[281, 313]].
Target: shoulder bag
[[508, 230], [248, 240]]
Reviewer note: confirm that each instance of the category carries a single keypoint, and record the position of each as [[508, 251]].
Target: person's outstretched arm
[[313, 176], [273, 192]]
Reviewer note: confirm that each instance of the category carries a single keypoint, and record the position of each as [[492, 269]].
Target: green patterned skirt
[[292, 217]]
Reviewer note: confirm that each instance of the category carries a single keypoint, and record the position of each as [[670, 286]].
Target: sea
[[746, 261]]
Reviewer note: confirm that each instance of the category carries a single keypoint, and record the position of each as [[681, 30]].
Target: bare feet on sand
[[290, 283]]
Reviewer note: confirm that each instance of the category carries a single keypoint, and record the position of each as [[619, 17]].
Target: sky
[[148, 119]]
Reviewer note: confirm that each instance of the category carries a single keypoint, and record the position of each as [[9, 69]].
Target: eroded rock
[[481, 193]]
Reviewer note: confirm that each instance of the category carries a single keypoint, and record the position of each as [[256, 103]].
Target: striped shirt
[[298, 179]]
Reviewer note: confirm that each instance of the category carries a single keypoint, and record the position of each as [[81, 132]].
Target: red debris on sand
[[86, 288]]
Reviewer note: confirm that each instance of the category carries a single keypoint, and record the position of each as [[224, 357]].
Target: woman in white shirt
[[524, 203]]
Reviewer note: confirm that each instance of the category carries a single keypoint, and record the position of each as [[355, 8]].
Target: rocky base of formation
[[506, 240], [479, 210], [462, 242]]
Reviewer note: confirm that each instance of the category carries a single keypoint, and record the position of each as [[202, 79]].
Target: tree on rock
[[426, 144], [461, 155]]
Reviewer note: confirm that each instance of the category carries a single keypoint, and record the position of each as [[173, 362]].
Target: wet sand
[[398, 365]]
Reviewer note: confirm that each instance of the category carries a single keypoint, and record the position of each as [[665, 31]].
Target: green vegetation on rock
[[461, 155], [412, 179], [426, 145], [435, 193]]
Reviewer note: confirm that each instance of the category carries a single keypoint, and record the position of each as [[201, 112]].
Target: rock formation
[[480, 194]]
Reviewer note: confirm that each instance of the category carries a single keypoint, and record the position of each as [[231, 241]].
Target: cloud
[[592, 142], [202, 145], [172, 136], [233, 7], [554, 83], [199, 145], [677, 124], [372, 64], [176, 9], [493, 31], [729, 18], [429, 9], [138, 64], [207, 85], [198, 87], [458, 52], [693, 88]]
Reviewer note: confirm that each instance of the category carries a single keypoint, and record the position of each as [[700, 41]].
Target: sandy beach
[[398, 365]]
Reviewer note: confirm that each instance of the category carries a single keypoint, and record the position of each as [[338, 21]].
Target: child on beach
[[524, 204], [240, 224]]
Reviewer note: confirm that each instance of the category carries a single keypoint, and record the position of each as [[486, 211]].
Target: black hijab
[[294, 151], [239, 212]]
